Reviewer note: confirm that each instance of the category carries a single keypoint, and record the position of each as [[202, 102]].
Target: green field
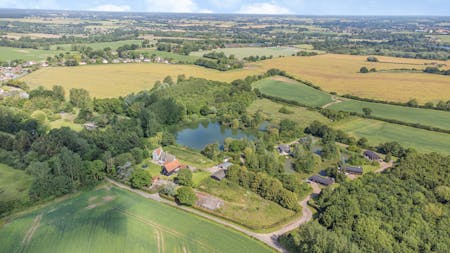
[[378, 132], [241, 52], [101, 45], [190, 59], [113, 220], [434, 118], [27, 54], [270, 111], [292, 90], [14, 184]]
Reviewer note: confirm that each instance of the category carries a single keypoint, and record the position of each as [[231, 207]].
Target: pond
[[200, 134]]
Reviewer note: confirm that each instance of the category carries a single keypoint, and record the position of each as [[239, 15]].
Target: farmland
[[14, 184], [101, 45], [188, 59], [434, 118], [241, 52], [378, 131], [113, 220], [27, 54], [292, 90]]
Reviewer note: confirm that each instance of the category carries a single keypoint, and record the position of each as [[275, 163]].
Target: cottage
[[356, 170], [219, 175], [225, 165], [161, 157], [284, 149], [369, 154], [322, 180], [171, 167]]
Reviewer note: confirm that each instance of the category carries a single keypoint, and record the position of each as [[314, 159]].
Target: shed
[[225, 165], [322, 180], [357, 170], [219, 175], [369, 154], [284, 149]]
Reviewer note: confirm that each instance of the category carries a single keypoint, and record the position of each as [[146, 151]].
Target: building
[[172, 167], [90, 126], [369, 154], [284, 149], [219, 175], [322, 180], [162, 157], [356, 170], [225, 165]]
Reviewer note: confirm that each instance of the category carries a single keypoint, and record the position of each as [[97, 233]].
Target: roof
[[356, 169], [220, 174], [284, 148], [225, 165], [171, 166], [372, 155], [158, 151], [166, 157], [322, 180]]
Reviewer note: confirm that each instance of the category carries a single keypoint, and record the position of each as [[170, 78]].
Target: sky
[[301, 7]]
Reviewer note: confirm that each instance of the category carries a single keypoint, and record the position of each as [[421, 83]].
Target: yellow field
[[122, 79], [339, 73]]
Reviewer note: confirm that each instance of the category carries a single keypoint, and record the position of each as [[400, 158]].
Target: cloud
[[171, 6], [112, 7], [263, 8]]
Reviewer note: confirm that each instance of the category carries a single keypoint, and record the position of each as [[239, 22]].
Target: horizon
[[437, 8]]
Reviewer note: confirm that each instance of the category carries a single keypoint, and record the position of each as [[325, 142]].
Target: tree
[[79, 98], [362, 142], [364, 70], [372, 59], [167, 139], [58, 92], [367, 111], [184, 177], [211, 151], [412, 103], [186, 196], [168, 80], [140, 179]]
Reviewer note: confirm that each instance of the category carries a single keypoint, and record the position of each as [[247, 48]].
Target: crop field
[[114, 220], [114, 80], [14, 184], [340, 73], [241, 52], [292, 90], [270, 111], [379, 132], [434, 118], [27, 54]]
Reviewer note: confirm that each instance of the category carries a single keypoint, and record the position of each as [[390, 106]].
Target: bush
[[364, 70], [140, 179], [184, 177], [186, 196]]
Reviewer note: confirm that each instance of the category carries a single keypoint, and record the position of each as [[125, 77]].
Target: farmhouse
[[162, 157], [219, 175], [369, 154], [322, 180], [171, 167], [356, 170], [284, 149]]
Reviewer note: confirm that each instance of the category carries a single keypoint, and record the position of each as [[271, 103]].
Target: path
[[334, 101], [271, 239]]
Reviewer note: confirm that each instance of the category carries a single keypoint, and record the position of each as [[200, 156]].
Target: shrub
[[186, 196]]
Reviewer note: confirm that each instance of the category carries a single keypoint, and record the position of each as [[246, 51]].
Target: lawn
[[378, 132], [245, 207], [270, 111], [113, 220], [241, 52], [27, 54], [14, 184], [292, 90], [434, 118], [190, 157]]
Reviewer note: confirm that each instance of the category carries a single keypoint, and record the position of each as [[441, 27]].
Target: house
[[156, 155], [356, 170], [90, 126], [369, 154], [225, 165], [219, 175], [161, 157], [321, 180], [171, 167], [284, 149]]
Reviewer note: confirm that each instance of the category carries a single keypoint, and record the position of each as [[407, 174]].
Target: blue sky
[[309, 7]]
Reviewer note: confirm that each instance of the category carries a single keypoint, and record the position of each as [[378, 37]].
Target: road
[[271, 239]]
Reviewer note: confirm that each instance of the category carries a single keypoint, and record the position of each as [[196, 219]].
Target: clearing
[[119, 221], [14, 184]]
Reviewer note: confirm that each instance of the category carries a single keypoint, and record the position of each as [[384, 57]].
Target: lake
[[200, 134]]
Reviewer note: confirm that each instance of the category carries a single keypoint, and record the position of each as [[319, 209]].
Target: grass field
[[270, 110], [378, 132], [292, 90], [440, 119], [27, 54], [241, 52], [168, 55], [244, 206], [190, 157], [340, 73], [113, 220], [14, 184], [114, 80], [101, 45]]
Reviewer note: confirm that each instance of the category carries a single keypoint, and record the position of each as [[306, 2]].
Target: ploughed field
[[113, 220]]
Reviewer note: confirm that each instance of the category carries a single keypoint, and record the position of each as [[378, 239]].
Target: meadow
[[27, 54], [434, 118], [100, 45], [292, 90], [270, 111], [379, 132], [188, 59], [113, 220], [14, 184], [241, 52]]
